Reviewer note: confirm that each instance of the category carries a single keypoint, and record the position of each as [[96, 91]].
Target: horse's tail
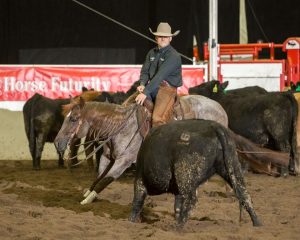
[[294, 163], [235, 174], [260, 159]]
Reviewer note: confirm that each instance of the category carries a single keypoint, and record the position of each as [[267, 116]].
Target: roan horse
[[121, 128], [121, 125]]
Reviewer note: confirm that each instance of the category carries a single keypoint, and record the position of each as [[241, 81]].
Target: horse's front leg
[[91, 195], [120, 165]]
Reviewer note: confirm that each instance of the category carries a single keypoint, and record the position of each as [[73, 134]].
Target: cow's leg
[[40, 142], [177, 206], [188, 201], [140, 194], [236, 181], [88, 151], [284, 146], [74, 146], [98, 156], [60, 159]]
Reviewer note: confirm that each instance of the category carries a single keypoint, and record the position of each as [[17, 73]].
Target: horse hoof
[[90, 198], [86, 193], [83, 202]]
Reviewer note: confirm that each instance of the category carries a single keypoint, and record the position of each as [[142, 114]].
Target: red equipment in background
[[292, 48]]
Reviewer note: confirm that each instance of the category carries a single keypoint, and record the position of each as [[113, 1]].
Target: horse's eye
[[73, 119]]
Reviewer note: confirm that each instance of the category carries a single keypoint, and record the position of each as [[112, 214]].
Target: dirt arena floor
[[45, 205]]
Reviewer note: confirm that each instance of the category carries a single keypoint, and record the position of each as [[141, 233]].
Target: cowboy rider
[[161, 75]]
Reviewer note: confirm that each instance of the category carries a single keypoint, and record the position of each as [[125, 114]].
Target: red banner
[[19, 83]]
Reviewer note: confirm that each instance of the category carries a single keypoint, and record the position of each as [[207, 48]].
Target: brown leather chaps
[[163, 108]]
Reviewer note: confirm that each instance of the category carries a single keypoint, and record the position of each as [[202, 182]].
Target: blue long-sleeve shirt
[[161, 64]]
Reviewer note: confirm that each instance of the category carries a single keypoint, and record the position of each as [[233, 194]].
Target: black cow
[[118, 97], [178, 157], [43, 119], [268, 119]]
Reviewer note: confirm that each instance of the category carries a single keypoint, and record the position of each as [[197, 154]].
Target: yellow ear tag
[[215, 89]]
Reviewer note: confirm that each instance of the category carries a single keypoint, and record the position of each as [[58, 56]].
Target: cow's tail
[[294, 155], [259, 159], [28, 114], [235, 174], [230, 158]]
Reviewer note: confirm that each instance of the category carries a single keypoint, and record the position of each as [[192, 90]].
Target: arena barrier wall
[[19, 83]]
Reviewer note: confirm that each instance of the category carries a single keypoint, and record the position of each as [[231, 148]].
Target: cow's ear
[[81, 102], [224, 85], [84, 89]]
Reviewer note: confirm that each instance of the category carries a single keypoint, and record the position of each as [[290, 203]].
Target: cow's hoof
[[134, 219], [37, 168]]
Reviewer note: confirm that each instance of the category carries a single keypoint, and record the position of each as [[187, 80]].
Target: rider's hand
[[140, 98], [140, 88]]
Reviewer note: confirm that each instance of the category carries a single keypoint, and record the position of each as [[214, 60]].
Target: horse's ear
[[81, 102], [72, 99]]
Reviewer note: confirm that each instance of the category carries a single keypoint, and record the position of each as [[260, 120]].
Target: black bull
[[178, 157], [268, 119]]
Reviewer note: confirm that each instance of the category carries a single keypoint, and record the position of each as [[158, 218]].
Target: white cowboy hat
[[164, 29]]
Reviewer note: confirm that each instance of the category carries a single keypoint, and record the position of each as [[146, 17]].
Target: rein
[[240, 151], [98, 139], [112, 159]]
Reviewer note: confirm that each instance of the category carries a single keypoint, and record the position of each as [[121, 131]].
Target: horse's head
[[73, 126]]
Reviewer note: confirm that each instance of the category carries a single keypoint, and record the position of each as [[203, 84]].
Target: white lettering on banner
[[72, 85], [12, 84]]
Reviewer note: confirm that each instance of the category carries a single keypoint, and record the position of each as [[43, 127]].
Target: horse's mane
[[86, 96], [105, 118]]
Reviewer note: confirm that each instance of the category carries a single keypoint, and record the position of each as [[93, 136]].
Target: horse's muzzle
[[61, 145]]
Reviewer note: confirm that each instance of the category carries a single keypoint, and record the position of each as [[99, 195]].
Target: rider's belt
[[164, 83]]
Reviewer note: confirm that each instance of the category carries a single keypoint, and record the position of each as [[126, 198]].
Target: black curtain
[[62, 32]]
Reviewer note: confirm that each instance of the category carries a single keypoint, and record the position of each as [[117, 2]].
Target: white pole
[[213, 40], [243, 23]]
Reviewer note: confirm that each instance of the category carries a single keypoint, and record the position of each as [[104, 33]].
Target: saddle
[[181, 110]]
